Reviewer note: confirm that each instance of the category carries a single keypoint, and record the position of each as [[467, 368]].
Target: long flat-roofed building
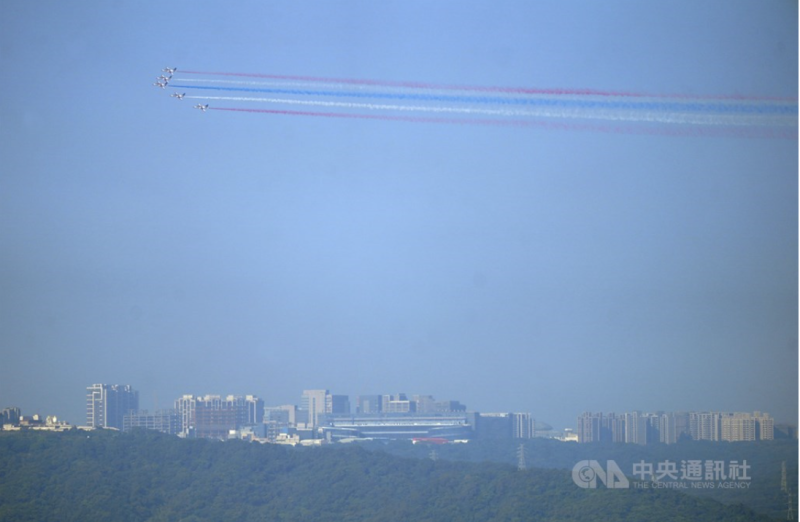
[[396, 426], [165, 421]]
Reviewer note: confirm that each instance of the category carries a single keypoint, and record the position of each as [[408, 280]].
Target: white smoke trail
[[423, 91], [545, 112], [362, 89], [762, 118], [303, 85]]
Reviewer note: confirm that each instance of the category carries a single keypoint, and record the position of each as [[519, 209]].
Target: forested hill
[[764, 458], [146, 476]]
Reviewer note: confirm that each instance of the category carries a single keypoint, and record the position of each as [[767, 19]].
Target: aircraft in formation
[[163, 80]]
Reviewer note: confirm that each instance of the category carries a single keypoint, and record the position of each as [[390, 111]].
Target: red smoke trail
[[737, 132], [508, 90], [413, 119]]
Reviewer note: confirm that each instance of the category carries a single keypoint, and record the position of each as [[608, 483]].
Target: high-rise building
[[494, 426], [424, 403], [589, 426], [765, 426], [214, 417], [704, 425], [427, 404], [252, 410], [107, 404], [653, 429], [185, 406], [337, 404], [746, 426], [449, 406], [285, 415], [667, 428], [314, 403], [612, 428], [522, 426], [735, 427], [670, 427], [596, 427], [368, 404], [682, 430], [636, 428], [10, 416], [399, 403]]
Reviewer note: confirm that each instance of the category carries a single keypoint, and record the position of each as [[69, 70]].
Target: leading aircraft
[[169, 70], [201, 107]]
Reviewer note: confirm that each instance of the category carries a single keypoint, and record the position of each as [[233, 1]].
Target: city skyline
[[671, 427], [315, 402], [628, 246]]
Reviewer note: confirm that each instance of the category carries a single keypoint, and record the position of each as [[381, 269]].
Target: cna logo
[[586, 472]]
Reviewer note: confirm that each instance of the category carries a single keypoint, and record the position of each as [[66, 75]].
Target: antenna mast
[[521, 466], [785, 489]]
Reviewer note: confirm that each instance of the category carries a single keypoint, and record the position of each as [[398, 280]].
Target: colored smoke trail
[[739, 132], [631, 116], [577, 109], [308, 85], [269, 84], [514, 90], [413, 119], [417, 85], [577, 103]]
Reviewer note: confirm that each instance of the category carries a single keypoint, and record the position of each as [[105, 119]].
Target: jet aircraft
[[179, 96], [201, 107]]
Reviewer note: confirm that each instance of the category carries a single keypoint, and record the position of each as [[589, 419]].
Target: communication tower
[[521, 466], [785, 489]]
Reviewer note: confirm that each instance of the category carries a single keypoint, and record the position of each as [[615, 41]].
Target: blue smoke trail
[[770, 108]]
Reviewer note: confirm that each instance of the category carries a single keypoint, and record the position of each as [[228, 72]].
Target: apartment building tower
[[107, 405]]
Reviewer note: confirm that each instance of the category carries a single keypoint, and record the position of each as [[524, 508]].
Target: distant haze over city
[[324, 417], [361, 403], [609, 224]]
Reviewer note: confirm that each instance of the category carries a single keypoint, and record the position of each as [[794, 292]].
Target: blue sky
[[513, 269]]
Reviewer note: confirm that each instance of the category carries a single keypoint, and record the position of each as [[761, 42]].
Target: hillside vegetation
[[146, 476], [764, 459]]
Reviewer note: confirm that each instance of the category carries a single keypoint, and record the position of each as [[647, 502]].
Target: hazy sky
[[541, 270]]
